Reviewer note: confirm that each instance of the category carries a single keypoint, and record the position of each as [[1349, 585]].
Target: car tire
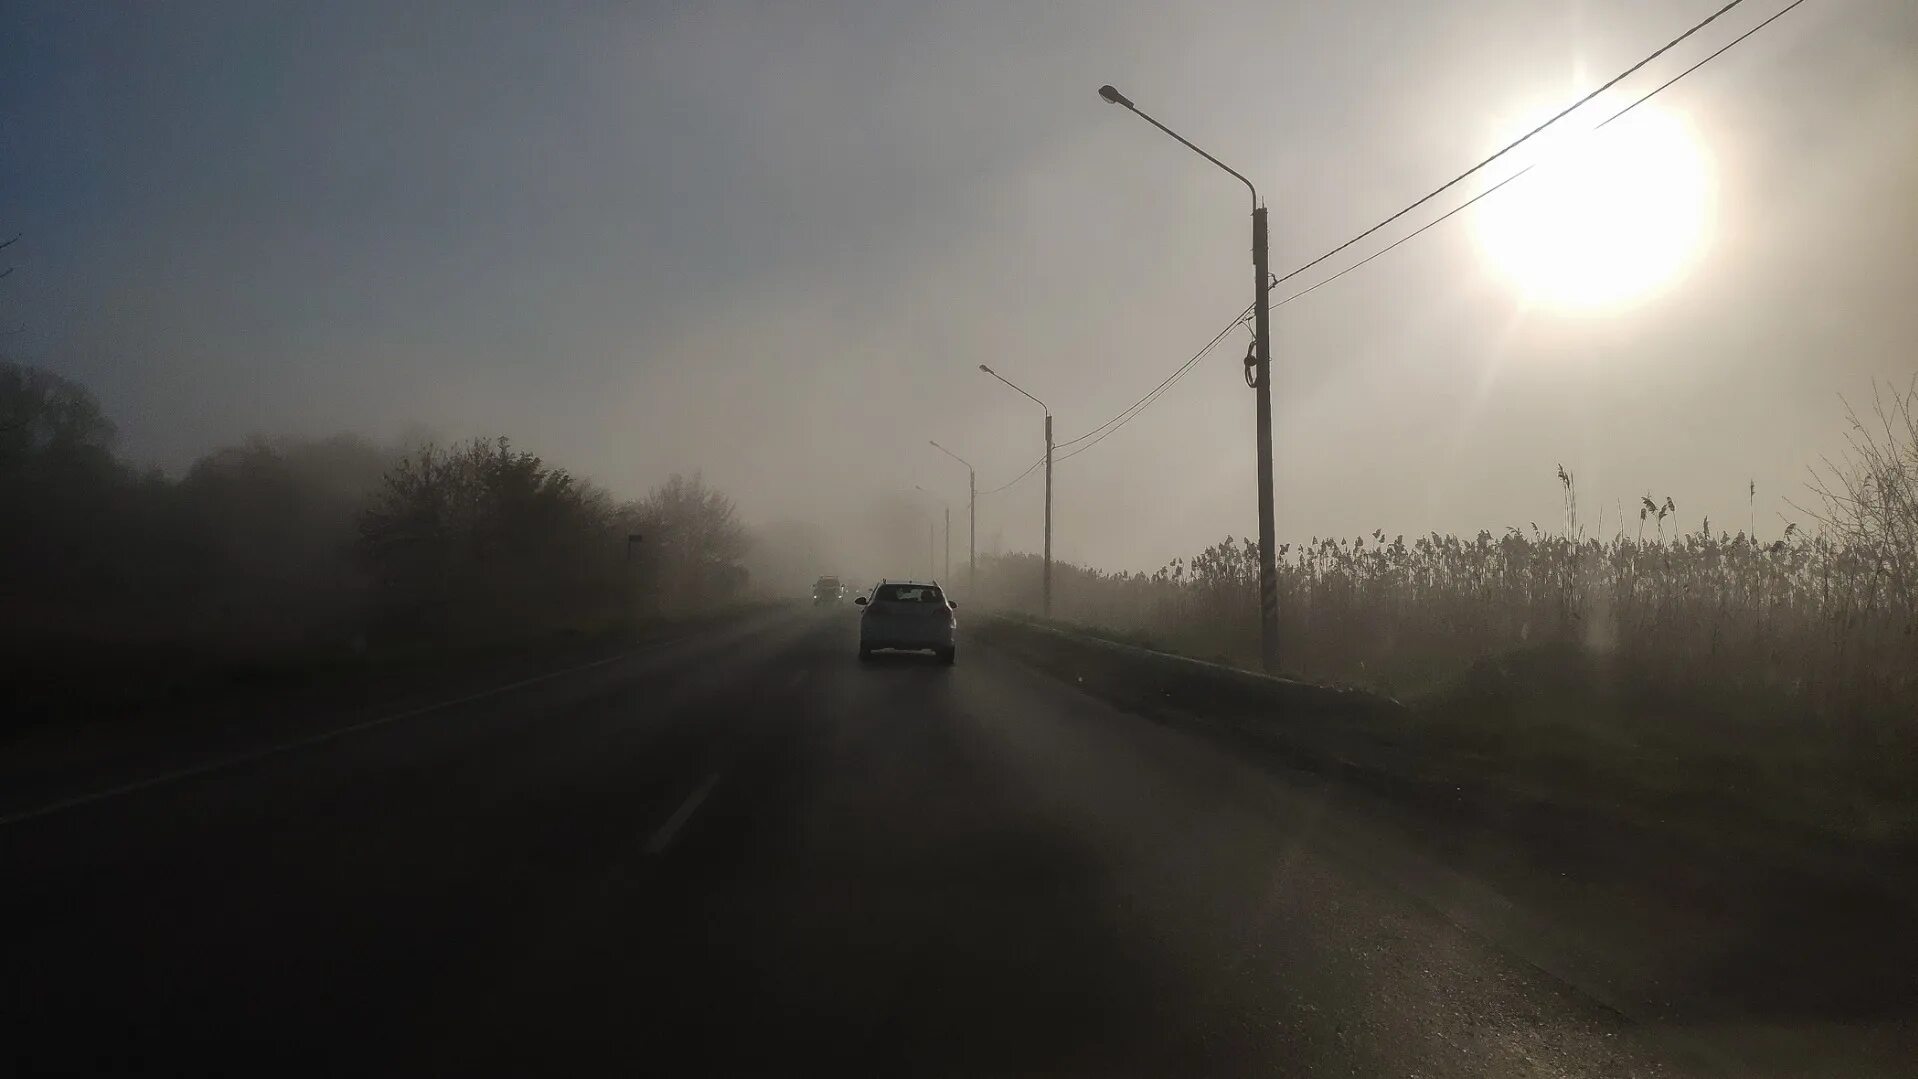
[[948, 656]]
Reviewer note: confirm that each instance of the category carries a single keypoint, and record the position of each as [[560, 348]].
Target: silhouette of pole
[[972, 518], [1046, 585], [1261, 364], [948, 508]]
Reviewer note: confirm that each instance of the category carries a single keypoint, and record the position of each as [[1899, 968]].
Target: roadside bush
[[482, 541], [264, 536], [479, 540], [692, 543]]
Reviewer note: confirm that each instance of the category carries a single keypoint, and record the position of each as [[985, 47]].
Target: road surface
[[745, 852]]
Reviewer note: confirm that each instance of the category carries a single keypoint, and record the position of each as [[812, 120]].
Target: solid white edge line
[[298, 743], [664, 837]]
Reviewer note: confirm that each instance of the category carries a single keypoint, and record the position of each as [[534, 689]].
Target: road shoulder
[[1791, 967], [56, 764]]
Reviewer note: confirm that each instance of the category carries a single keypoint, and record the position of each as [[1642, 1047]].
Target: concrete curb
[[1181, 682]]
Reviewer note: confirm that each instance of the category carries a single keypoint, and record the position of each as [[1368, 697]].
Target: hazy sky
[[773, 242]]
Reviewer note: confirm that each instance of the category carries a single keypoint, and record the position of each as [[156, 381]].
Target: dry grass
[[1802, 616], [1671, 673], [1815, 629]]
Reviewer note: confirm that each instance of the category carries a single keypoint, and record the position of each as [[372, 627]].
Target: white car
[[910, 616]]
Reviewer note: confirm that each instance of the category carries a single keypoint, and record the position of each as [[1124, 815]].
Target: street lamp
[[1046, 585], [948, 506], [972, 517], [1262, 383]]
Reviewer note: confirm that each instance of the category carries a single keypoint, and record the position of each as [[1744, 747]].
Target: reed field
[[1814, 626]]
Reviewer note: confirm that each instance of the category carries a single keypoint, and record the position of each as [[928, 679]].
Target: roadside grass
[[1557, 725], [1711, 854], [1724, 764], [1759, 689]]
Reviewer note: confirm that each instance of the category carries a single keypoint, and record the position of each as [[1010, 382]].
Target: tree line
[[278, 547]]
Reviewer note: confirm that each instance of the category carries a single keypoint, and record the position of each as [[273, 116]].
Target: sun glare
[[1604, 217]]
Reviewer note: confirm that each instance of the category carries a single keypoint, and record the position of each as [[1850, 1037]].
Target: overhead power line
[[1015, 479], [1125, 415], [1132, 408], [1516, 143], [1101, 432], [1454, 211]]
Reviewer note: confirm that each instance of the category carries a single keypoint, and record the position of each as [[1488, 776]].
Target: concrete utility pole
[[972, 518], [1047, 583], [945, 578], [1047, 580], [1261, 377]]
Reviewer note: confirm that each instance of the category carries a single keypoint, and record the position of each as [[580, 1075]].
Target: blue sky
[[773, 242]]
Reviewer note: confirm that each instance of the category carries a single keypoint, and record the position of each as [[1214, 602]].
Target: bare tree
[[695, 539], [1868, 497], [480, 537]]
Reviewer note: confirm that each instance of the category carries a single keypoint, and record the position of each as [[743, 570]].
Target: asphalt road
[[746, 852]]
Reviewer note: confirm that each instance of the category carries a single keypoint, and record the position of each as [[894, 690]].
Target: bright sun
[[1604, 219]]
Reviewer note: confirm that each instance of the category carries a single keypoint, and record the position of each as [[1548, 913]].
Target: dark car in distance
[[827, 590]]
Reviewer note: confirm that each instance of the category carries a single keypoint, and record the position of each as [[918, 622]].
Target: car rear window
[[909, 593]]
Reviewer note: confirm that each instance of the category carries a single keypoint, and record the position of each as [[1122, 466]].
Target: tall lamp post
[[948, 508], [1047, 579], [1262, 383], [972, 518]]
